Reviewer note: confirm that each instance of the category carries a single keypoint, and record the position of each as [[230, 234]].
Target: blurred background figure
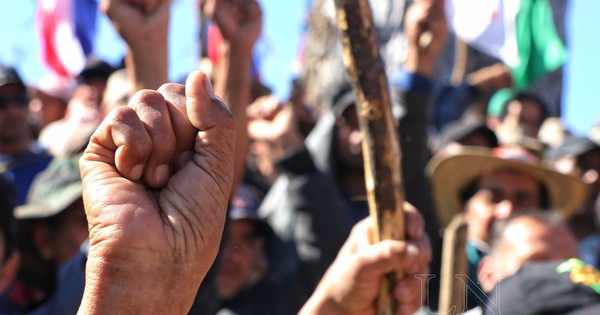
[[21, 158], [532, 268], [469, 131], [117, 92], [84, 111], [241, 280], [49, 99], [10, 258], [52, 230], [580, 156]]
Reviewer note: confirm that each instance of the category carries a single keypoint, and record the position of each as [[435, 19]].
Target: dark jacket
[[306, 206]]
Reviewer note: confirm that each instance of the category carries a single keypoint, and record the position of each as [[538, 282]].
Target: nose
[[504, 209]]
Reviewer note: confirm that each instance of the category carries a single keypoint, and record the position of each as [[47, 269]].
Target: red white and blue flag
[[66, 29]]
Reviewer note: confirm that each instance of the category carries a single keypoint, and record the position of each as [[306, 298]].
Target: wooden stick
[[381, 149], [454, 265]]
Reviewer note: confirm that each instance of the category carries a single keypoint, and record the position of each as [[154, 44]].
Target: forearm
[[148, 66], [233, 85]]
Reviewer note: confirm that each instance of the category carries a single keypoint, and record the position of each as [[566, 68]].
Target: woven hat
[[452, 171]]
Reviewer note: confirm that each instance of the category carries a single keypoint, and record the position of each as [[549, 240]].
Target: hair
[[543, 216], [524, 97]]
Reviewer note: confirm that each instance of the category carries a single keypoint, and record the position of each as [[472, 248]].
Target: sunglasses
[[19, 99]]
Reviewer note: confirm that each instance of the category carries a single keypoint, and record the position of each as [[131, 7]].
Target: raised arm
[[240, 23], [144, 26]]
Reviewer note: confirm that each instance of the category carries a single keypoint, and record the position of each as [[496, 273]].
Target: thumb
[[205, 110]]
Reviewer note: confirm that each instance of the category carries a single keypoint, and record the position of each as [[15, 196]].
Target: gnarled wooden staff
[[381, 149], [455, 267]]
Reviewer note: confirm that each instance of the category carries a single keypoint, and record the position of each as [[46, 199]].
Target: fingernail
[[136, 172], [208, 88], [161, 173]]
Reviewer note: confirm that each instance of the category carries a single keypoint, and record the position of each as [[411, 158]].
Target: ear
[[8, 271], [486, 272]]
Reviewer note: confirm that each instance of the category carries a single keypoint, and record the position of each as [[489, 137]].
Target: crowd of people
[[122, 193]]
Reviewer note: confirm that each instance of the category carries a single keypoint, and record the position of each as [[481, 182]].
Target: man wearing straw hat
[[484, 185]]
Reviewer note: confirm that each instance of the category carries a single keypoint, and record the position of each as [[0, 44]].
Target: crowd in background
[[528, 190]]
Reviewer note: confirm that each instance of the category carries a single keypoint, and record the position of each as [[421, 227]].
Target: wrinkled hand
[[352, 283], [427, 32], [139, 22], [240, 21], [156, 180]]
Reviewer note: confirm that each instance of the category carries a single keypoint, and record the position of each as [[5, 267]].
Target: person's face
[[46, 109], [13, 114], [242, 251], [350, 139], [71, 232], [525, 114], [90, 93], [527, 240], [498, 195]]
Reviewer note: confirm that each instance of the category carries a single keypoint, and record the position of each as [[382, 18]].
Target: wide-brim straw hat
[[452, 171]]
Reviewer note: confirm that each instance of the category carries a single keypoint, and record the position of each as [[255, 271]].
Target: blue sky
[[279, 43], [581, 105], [279, 47]]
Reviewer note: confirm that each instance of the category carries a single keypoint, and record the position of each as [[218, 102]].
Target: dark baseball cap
[[573, 146], [244, 206], [9, 75], [549, 288], [458, 130], [53, 190], [95, 69]]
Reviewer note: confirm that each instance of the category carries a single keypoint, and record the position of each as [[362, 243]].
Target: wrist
[[137, 288], [419, 63], [148, 67], [321, 303]]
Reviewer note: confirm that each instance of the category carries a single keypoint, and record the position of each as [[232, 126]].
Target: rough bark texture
[[381, 149], [455, 268]]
